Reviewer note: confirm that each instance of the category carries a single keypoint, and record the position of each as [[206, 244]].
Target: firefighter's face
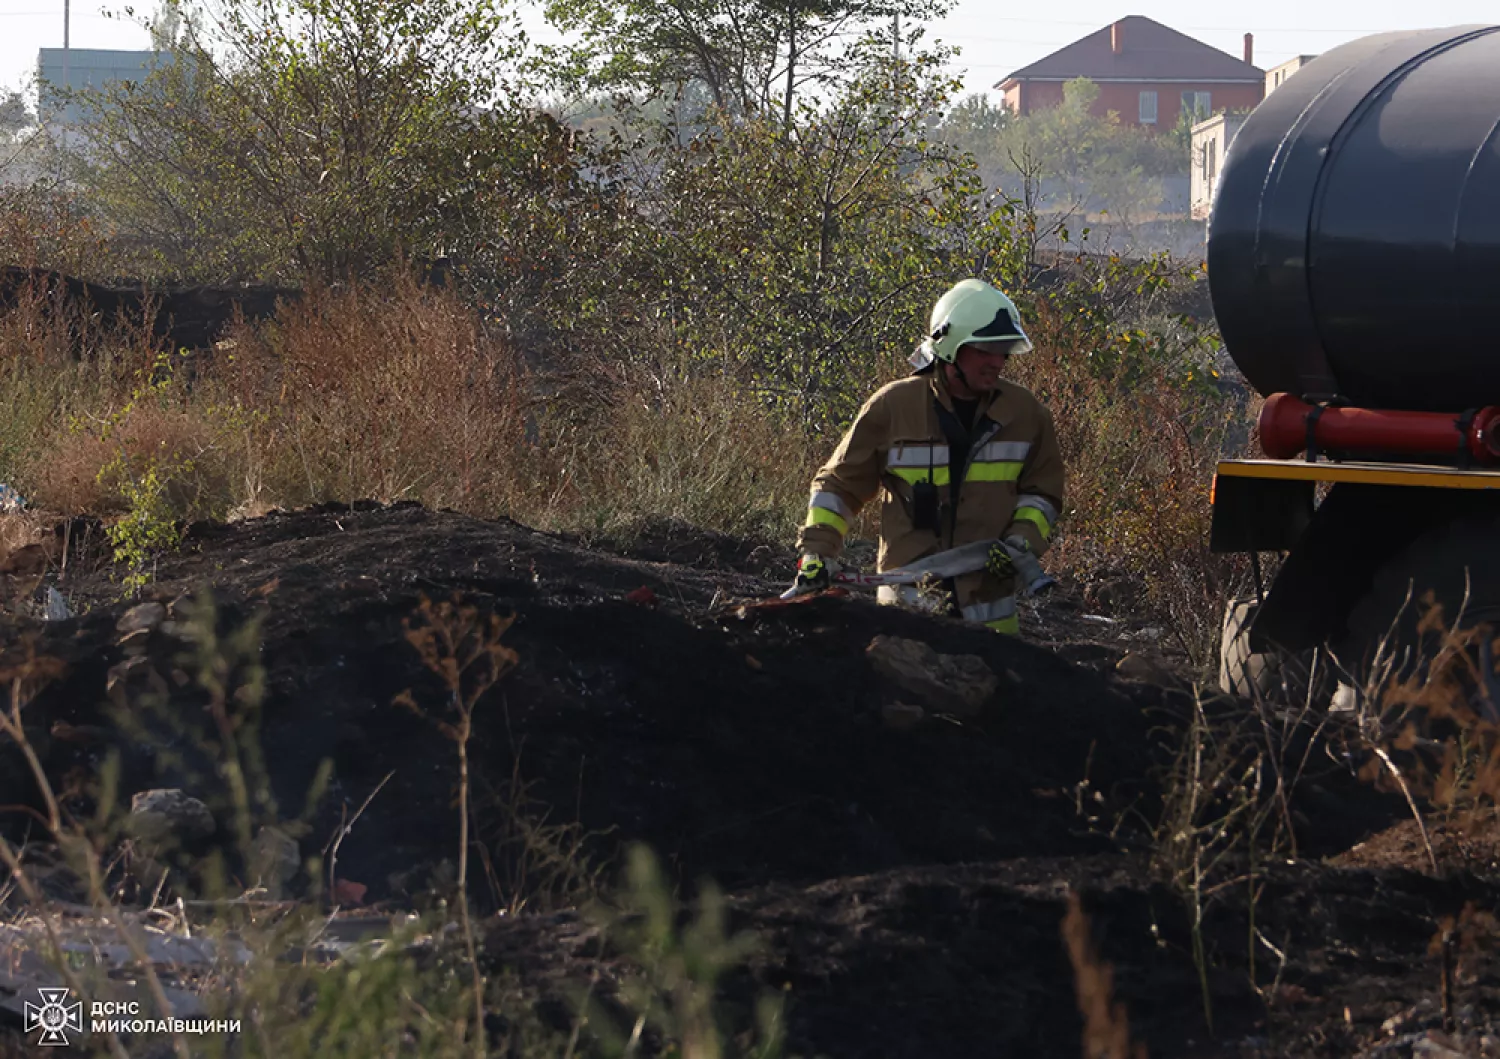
[[983, 366]]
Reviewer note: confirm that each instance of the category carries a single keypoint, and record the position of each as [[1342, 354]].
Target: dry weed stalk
[[1106, 1024], [1227, 809], [26, 677], [462, 646], [1435, 705], [537, 859], [1470, 933]]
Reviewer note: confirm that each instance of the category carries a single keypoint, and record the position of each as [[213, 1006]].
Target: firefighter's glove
[[814, 573], [1001, 561], [1012, 558]]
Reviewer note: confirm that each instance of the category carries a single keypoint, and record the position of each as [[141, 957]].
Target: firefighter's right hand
[[814, 573]]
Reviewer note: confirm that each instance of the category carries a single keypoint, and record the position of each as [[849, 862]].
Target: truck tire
[[1286, 677], [1435, 561], [1242, 671]]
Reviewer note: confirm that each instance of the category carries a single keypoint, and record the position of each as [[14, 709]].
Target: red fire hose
[[1285, 431]]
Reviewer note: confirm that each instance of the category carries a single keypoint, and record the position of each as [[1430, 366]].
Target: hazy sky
[[995, 38]]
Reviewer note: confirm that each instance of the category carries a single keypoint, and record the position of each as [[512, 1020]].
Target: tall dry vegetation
[[1144, 411], [406, 392], [397, 394]]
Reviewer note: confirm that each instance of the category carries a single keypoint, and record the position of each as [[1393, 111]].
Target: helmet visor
[[1002, 328]]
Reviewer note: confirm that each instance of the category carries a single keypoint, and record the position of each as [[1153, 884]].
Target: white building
[[1211, 139], [60, 70], [1276, 76]]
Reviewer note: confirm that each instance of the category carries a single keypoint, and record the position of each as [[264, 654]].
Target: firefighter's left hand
[[1000, 562]]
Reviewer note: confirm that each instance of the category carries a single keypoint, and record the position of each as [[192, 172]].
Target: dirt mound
[[970, 960], [1467, 844], [671, 540], [907, 869], [745, 749]]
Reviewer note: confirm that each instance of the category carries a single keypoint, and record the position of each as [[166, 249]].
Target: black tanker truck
[[1354, 268]]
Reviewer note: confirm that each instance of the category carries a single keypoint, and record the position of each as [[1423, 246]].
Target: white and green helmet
[[972, 312]]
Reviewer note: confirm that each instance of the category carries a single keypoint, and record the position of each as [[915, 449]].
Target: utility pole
[[67, 19], [896, 36]]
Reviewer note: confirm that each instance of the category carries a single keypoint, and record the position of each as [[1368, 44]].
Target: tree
[[166, 25], [15, 114], [297, 139], [1068, 161], [754, 56], [803, 264], [975, 125]]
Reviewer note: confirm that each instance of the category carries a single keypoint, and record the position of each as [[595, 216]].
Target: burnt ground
[[908, 885]]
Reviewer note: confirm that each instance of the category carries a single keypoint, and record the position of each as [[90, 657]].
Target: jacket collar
[[987, 407]]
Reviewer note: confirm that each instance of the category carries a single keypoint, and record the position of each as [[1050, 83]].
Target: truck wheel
[[1285, 677], [1242, 672], [1436, 562]]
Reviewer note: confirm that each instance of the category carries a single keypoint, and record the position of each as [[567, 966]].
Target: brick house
[[1146, 72]]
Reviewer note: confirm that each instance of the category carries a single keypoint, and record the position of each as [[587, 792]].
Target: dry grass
[[1140, 441], [404, 392], [679, 445], [1427, 721], [395, 394]]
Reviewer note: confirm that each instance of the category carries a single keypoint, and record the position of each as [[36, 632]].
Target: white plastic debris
[[56, 608], [10, 500]]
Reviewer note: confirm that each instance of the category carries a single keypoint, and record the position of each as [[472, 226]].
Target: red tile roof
[[1149, 51]]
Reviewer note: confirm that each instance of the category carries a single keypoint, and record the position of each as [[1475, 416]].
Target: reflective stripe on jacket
[[1012, 479]]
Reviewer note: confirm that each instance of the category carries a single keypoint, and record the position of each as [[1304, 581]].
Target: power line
[[1201, 29], [964, 38]]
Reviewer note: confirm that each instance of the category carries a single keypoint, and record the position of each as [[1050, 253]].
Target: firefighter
[[956, 454]]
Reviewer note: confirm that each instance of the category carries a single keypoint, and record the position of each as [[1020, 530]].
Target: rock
[[956, 684], [1139, 667], [901, 716], [122, 670], [158, 815], [274, 859], [1345, 699], [1436, 1046], [25, 561], [56, 608], [146, 616], [348, 892]]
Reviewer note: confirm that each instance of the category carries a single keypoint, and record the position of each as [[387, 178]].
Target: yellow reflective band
[[919, 474], [1036, 518], [821, 516], [998, 471], [1011, 626]]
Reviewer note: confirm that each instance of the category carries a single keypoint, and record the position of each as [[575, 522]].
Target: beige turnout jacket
[[1011, 481]]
